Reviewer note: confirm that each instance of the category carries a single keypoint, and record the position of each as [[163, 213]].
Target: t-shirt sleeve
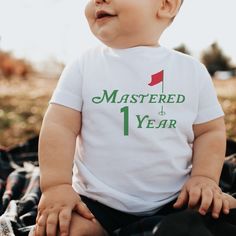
[[209, 107], [68, 91]]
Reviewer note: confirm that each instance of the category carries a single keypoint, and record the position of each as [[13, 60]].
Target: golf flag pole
[[156, 79]]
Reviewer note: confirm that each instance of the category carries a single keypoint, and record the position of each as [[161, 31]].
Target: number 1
[[126, 120]]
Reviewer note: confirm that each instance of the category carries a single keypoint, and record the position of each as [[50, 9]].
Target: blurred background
[[38, 37]]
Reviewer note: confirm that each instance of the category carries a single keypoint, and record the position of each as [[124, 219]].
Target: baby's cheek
[[89, 11]]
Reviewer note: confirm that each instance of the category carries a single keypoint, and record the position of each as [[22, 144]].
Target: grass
[[226, 91], [23, 103], [22, 106]]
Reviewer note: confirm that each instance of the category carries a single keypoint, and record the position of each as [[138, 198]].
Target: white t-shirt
[[138, 107]]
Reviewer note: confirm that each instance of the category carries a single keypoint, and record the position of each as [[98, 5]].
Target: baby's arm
[[60, 128], [208, 156]]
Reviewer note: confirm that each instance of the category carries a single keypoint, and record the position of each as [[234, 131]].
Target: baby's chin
[[116, 45], [124, 44]]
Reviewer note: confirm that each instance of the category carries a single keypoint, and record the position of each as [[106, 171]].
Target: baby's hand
[[55, 208], [204, 193], [231, 200]]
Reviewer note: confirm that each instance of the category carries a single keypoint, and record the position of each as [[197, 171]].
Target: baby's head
[[130, 23]]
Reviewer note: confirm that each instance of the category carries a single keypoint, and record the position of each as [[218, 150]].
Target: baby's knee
[[83, 227]]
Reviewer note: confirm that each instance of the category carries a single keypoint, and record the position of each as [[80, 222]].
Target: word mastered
[[115, 97]]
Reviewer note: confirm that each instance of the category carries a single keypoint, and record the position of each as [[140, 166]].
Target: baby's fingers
[[182, 199], [64, 221], [207, 199], [194, 196], [40, 228], [226, 206], [52, 222], [83, 210], [217, 205]]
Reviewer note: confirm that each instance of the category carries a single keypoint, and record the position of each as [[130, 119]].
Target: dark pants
[[112, 219]]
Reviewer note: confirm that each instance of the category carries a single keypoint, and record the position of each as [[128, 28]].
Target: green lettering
[[142, 97], [152, 98], [162, 98], [106, 97], [140, 120], [133, 98], [181, 98], [162, 124], [150, 124], [124, 98], [172, 124], [171, 98], [125, 110]]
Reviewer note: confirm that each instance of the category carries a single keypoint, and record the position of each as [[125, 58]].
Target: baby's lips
[[101, 13]]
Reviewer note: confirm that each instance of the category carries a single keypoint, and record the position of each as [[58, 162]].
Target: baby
[[139, 124]]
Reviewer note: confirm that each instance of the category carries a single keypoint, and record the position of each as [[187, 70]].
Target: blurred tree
[[215, 60], [11, 66], [182, 48]]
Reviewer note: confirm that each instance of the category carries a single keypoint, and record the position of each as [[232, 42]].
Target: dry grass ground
[[23, 103], [226, 91]]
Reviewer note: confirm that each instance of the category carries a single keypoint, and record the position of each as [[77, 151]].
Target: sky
[[43, 29]]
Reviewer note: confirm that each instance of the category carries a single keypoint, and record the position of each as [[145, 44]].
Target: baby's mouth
[[103, 14]]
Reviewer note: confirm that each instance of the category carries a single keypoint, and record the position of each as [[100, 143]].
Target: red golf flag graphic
[[157, 78]]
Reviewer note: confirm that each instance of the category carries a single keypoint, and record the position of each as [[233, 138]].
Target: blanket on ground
[[20, 194]]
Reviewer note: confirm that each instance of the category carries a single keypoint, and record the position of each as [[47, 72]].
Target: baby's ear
[[169, 8]]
